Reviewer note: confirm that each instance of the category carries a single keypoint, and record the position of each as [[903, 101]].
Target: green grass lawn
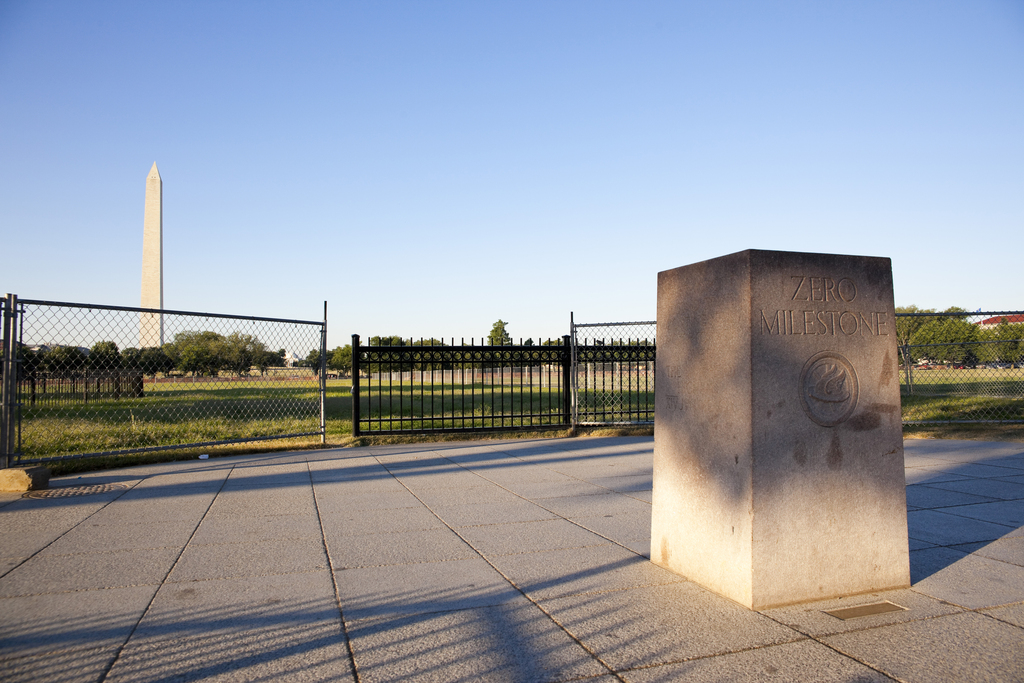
[[182, 412], [414, 406], [173, 413], [946, 395]]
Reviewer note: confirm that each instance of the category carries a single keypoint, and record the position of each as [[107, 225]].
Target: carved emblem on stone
[[828, 388]]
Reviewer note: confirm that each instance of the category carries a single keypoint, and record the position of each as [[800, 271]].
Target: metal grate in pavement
[[67, 491]]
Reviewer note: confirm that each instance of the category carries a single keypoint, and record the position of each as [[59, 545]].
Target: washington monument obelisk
[[151, 325]]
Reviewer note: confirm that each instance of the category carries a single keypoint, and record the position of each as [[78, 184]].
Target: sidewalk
[[488, 560]]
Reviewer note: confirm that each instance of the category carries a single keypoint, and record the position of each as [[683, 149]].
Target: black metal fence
[[954, 367], [85, 379], [418, 387]]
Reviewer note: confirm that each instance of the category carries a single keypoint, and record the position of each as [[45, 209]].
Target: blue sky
[[430, 167]]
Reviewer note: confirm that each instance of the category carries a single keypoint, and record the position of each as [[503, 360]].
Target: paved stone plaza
[[488, 560]]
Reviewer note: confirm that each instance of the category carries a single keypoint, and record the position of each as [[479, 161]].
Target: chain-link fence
[[613, 372], [961, 367], [84, 379]]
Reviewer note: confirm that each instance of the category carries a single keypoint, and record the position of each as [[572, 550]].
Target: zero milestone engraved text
[[830, 321]]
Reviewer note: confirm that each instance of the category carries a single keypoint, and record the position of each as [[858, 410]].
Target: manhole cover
[[65, 491]]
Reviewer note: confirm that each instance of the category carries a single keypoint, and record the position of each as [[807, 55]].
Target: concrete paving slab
[[957, 450], [1011, 614], [88, 537], [184, 481], [911, 459], [529, 537], [421, 588], [1012, 462], [483, 493], [85, 665], [653, 625], [61, 622], [226, 607], [417, 462], [514, 473], [23, 539], [216, 529], [333, 499], [621, 528], [1010, 550], [626, 483], [229, 560], [1003, 488], [359, 523], [514, 641], [52, 573], [266, 475], [602, 504], [971, 581], [264, 502], [539, 491], [959, 647], [929, 561], [431, 545], [800, 661], [420, 613], [931, 475], [811, 618], [923, 496], [1007, 512], [310, 652], [945, 528], [574, 571], [367, 474], [9, 563], [980, 471], [445, 480], [915, 544], [61, 511], [164, 510], [135, 491], [478, 514]]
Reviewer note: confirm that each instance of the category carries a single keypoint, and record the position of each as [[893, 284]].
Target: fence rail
[[85, 379], [417, 388]]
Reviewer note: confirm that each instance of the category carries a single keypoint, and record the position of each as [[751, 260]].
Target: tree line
[[195, 353], [956, 339], [340, 358]]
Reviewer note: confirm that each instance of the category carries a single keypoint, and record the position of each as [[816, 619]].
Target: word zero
[[823, 289]]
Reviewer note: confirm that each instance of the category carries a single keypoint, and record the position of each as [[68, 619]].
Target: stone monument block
[[778, 447], [18, 479]]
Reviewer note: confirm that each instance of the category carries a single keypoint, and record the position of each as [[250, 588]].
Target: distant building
[[995, 320]]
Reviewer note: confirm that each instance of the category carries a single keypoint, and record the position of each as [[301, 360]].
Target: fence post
[[567, 379], [574, 359], [355, 385], [323, 379], [909, 368], [10, 380]]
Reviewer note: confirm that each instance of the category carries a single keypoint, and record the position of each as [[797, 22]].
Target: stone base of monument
[[778, 448], [17, 479]]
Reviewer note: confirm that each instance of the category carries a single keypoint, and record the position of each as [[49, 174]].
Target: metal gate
[[613, 372]]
